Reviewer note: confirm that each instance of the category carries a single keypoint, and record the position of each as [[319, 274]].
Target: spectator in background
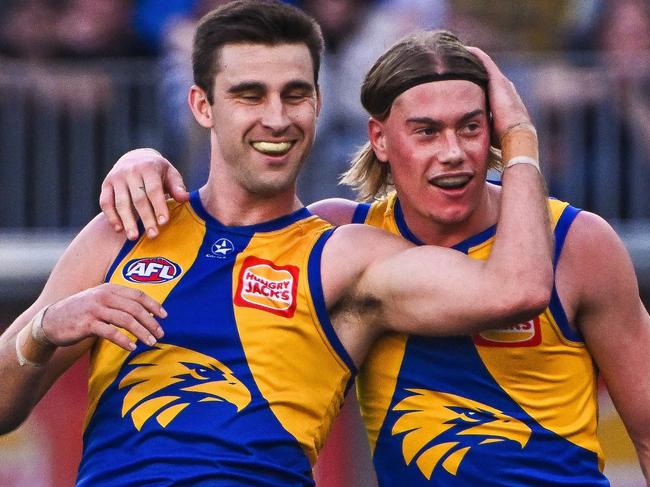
[[43, 30], [68, 102], [46, 29], [604, 86]]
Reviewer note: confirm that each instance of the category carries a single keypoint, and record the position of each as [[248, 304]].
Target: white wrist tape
[[522, 160], [38, 333], [38, 347], [22, 361]]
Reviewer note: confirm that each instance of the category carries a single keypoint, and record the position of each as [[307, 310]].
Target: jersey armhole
[[318, 298], [555, 306], [361, 213]]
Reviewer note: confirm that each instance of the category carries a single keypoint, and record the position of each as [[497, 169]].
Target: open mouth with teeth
[[272, 148], [450, 182]]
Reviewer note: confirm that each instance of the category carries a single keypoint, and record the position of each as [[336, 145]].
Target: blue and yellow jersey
[[512, 406], [247, 380]]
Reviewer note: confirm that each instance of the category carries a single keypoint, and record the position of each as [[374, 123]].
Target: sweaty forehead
[[275, 64]]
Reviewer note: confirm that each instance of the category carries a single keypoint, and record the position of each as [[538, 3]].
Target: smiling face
[[436, 140], [263, 117]]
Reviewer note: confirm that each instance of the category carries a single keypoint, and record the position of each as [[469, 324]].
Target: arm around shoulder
[[392, 285]]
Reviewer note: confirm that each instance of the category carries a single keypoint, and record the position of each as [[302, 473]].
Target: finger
[[151, 305], [156, 196], [127, 322], [175, 185], [125, 210], [112, 334], [139, 312], [487, 61], [107, 204], [140, 200]]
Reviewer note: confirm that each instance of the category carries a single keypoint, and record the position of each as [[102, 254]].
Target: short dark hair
[[268, 22]]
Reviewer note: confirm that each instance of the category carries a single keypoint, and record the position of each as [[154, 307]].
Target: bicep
[[432, 290]]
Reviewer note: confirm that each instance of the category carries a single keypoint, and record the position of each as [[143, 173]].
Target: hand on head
[[508, 110]]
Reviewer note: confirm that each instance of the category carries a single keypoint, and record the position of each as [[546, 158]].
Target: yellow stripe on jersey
[[286, 376], [107, 358], [385, 361]]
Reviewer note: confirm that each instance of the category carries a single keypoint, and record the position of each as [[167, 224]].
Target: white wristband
[[22, 361], [522, 160], [38, 333]]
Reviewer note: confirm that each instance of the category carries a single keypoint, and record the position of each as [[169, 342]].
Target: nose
[[450, 152], [275, 115]]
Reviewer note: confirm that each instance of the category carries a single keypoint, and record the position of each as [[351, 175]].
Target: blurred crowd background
[[83, 81]]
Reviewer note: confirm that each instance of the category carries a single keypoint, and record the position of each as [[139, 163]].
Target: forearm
[[521, 256], [20, 384]]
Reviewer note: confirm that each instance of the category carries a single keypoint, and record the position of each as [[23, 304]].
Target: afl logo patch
[[526, 334], [266, 286], [151, 270]]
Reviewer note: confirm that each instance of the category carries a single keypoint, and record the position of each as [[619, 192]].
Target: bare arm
[[434, 290], [597, 279], [135, 187], [337, 211], [431, 290], [80, 310]]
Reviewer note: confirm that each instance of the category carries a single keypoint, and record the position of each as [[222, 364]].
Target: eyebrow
[[299, 85], [246, 86], [439, 123], [261, 87]]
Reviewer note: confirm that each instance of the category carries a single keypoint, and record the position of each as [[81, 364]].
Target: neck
[[232, 205], [447, 234]]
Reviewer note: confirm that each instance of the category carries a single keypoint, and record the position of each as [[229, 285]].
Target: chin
[[451, 217], [269, 189]]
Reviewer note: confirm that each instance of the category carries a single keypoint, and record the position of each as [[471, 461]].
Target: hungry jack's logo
[[526, 334], [266, 286], [440, 429], [167, 379]]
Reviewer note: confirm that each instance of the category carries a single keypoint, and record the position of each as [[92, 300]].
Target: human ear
[[200, 106], [377, 137]]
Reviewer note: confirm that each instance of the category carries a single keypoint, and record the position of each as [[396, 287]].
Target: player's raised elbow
[[528, 295]]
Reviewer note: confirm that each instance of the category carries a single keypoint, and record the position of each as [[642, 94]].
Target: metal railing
[[62, 126]]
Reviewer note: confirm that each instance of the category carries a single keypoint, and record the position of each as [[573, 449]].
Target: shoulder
[[90, 254], [350, 251], [337, 211], [592, 235], [594, 264]]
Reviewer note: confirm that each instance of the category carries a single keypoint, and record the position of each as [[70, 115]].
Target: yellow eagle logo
[[442, 428], [163, 377]]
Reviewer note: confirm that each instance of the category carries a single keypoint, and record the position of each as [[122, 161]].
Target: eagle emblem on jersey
[[167, 379], [440, 429]]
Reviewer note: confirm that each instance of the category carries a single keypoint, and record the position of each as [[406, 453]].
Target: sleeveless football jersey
[[247, 380], [512, 406]]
